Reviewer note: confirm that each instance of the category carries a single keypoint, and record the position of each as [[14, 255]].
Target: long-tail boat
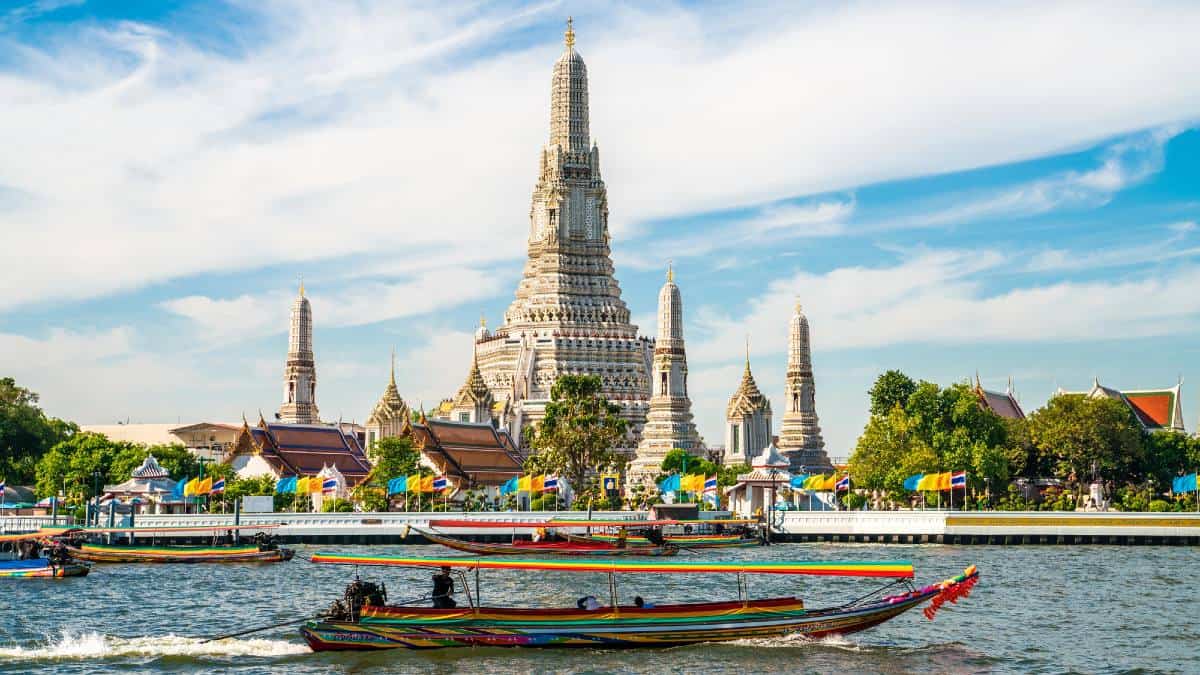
[[364, 621], [30, 564], [678, 540], [555, 547], [262, 549], [41, 568], [634, 531]]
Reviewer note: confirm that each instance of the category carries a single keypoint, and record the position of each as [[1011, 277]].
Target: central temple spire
[[569, 99]]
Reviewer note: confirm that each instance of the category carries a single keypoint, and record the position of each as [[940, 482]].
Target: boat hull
[[629, 627], [180, 554], [679, 540], [548, 548], [40, 569]]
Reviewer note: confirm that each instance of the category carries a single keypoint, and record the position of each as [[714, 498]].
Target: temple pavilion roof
[[1155, 409], [747, 400], [149, 469], [476, 453]]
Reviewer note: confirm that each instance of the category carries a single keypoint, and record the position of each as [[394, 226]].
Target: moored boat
[[41, 568], [179, 554], [557, 547], [365, 622], [679, 540]]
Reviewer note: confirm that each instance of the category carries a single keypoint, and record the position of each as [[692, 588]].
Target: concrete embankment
[[886, 527]]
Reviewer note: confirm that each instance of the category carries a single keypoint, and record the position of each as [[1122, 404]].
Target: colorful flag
[[205, 486], [509, 487], [218, 486], [550, 484], [670, 484], [912, 481], [440, 483], [413, 484], [944, 481], [958, 480], [814, 482], [189, 490], [843, 484], [798, 481], [301, 487], [329, 485], [525, 484], [710, 484], [1184, 484], [286, 485], [928, 482], [1, 488], [427, 483], [177, 493], [397, 485], [537, 483], [314, 485]]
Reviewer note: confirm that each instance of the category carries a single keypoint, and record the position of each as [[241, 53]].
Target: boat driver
[[443, 586]]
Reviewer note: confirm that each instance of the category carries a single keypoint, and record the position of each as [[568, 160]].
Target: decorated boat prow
[[364, 621]]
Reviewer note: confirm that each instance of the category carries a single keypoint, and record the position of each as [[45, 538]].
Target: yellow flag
[[696, 483], [205, 486], [525, 484], [190, 489], [928, 482], [944, 480], [413, 484], [427, 483], [814, 482], [537, 483], [314, 484], [302, 485]]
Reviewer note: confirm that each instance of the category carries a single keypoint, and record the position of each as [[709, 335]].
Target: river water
[[1040, 609]]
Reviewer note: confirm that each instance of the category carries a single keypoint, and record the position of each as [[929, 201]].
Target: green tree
[[1072, 432], [69, 465], [176, 459], [579, 431], [891, 389], [26, 434], [393, 457], [889, 451], [1169, 454]]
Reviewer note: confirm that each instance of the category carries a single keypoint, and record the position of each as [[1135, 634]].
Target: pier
[[1010, 528]]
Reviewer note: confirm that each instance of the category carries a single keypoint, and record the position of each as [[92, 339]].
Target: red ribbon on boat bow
[[952, 590]]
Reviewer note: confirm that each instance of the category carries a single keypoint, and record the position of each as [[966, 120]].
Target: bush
[[853, 501], [1159, 506], [545, 502], [337, 506]]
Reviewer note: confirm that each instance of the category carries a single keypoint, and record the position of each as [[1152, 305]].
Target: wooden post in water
[[237, 521]]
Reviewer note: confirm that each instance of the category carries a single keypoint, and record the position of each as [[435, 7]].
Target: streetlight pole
[[202, 461], [95, 515]]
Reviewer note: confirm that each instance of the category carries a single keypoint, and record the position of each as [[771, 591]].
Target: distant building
[[800, 433], [747, 420], [300, 373], [278, 450], [210, 440], [1004, 403], [472, 455], [391, 415], [148, 490], [1155, 409], [755, 490]]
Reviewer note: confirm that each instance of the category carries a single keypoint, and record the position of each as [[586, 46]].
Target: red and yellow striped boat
[[178, 554], [378, 626]]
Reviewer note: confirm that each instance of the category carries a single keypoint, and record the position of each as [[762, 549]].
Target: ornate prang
[[300, 373], [800, 434]]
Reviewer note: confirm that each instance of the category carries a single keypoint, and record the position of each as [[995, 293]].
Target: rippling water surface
[[1036, 609]]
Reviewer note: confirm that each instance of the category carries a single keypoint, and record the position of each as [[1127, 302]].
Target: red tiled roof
[[1003, 405], [477, 452], [304, 449], [1153, 408]]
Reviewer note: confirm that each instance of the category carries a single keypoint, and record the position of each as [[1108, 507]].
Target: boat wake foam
[[835, 641], [93, 645]]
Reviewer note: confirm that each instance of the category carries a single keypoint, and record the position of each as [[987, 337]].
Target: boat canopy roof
[[899, 569], [58, 531], [545, 524]]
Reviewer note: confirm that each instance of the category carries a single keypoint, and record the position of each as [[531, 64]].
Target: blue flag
[[510, 486], [177, 493], [286, 485], [397, 485], [910, 483], [1184, 484], [798, 481], [669, 484]]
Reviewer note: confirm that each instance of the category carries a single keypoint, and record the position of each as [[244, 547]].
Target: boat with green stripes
[[363, 620]]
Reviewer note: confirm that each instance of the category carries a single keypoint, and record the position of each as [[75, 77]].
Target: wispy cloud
[[1175, 245]]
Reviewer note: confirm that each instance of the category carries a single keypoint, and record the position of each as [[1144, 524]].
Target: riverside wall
[[875, 527]]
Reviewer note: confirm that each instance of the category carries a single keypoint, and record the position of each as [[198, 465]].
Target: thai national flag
[[710, 484], [218, 486], [843, 484], [550, 484], [329, 485], [439, 483], [958, 479], [1, 488]]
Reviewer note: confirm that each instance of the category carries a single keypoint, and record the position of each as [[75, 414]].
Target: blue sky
[[947, 188]]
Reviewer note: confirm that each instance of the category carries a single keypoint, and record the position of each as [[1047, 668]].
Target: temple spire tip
[[569, 36]]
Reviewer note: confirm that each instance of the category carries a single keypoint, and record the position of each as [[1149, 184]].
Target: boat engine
[[358, 594], [266, 542]]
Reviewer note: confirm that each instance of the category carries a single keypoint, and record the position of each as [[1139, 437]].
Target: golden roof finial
[[392, 377], [569, 36], [798, 308], [747, 351], [670, 271], [482, 320], [302, 285]]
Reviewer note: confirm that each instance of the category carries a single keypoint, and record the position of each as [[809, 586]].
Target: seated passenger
[[588, 602], [641, 604]]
